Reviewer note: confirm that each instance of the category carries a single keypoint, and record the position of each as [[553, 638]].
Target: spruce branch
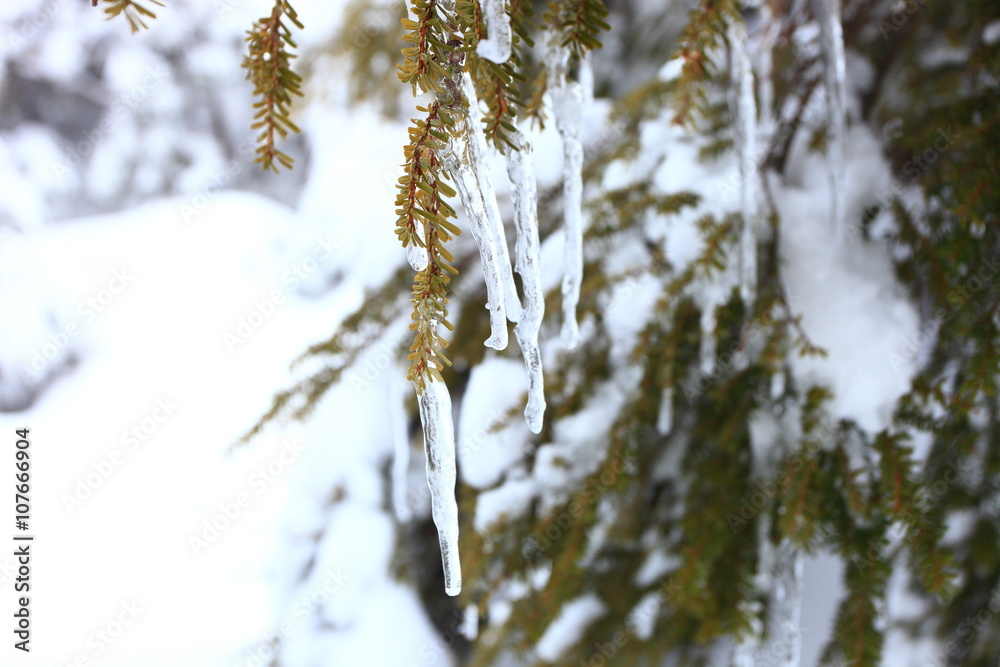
[[575, 25], [424, 63], [133, 12], [702, 36], [423, 220], [433, 64], [496, 83], [268, 68], [578, 23]]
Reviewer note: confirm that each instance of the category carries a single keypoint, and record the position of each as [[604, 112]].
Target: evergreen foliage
[[268, 66], [131, 10], [827, 484]]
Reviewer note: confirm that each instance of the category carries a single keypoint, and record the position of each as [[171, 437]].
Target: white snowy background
[[158, 287]]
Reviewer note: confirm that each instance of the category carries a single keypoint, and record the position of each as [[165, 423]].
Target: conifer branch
[[424, 63], [702, 35], [496, 84], [133, 12], [432, 64], [423, 220], [268, 68], [578, 23]]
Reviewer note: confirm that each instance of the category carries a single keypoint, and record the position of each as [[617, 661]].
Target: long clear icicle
[[524, 190], [745, 137], [477, 153], [439, 449], [459, 162], [827, 12], [497, 45], [567, 104]]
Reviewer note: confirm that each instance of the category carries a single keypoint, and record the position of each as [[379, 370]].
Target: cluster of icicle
[[465, 160]]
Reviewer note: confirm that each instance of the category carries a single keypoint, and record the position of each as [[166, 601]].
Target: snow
[[991, 33], [642, 619], [487, 447], [510, 500], [439, 449], [865, 323], [569, 626], [401, 450], [497, 45], [156, 372], [470, 624]]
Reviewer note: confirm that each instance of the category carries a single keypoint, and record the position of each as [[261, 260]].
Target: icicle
[[477, 154], [524, 189], [439, 448], [573, 195], [761, 38], [827, 12], [497, 46], [665, 419], [567, 105], [458, 161], [416, 255], [745, 136], [401, 450]]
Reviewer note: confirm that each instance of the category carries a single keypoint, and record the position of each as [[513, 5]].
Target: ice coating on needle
[[497, 45], [416, 255], [524, 190], [477, 157], [459, 163], [439, 449]]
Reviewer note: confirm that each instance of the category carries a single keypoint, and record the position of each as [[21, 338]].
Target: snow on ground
[[183, 330]]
